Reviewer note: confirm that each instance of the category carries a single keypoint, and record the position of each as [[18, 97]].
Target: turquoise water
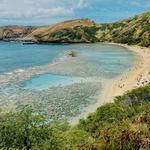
[[15, 55], [46, 78], [44, 81]]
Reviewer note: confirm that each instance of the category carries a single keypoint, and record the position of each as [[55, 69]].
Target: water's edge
[[77, 97]]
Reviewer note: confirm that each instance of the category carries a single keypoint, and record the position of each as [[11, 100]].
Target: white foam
[[19, 70], [9, 73]]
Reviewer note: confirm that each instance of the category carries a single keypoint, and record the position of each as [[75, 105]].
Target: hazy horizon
[[36, 12]]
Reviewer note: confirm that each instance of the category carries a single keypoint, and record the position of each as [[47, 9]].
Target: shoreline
[[136, 77]]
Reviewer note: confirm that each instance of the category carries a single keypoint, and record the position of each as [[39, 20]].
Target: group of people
[[143, 81]]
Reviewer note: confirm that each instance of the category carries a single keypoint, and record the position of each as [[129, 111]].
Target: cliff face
[[135, 30], [15, 32]]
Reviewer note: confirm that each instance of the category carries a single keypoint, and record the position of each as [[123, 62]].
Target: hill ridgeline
[[135, 31]]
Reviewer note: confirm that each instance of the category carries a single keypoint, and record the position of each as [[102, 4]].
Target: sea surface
[[51, 81]]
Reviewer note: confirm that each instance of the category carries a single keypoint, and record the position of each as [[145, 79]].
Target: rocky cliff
[[15, 32]]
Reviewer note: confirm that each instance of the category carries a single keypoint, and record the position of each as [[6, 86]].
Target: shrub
[[26, 130]]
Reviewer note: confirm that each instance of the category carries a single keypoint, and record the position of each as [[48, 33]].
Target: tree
[[26, 130]]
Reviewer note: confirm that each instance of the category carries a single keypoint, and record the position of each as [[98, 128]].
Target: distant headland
[[134, 31]]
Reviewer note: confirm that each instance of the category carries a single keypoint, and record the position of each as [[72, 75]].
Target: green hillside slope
[[131, 31]]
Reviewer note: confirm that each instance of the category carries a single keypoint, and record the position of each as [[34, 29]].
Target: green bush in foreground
[[25, 130], [122, 125]]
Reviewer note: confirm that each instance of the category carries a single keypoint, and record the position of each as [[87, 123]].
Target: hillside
[[72, 31], [122, 125], [134, 31]]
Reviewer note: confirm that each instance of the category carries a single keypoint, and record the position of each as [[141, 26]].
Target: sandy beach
[[136, 77]]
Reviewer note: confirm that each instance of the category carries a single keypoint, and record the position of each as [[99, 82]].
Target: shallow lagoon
[[45, 81], [46, 78]]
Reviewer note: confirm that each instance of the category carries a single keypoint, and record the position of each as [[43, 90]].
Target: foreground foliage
[[122, 125]]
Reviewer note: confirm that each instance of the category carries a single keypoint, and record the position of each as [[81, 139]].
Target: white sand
[[138, 76]]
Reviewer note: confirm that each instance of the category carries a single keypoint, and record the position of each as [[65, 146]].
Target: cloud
[[52, 11], [82, 4], [18, 9]]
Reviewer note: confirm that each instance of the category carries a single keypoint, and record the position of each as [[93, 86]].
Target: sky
[[44, 12]]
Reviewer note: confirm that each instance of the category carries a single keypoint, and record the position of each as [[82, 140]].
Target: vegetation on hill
[[135, 31], [78, 34], [65, 32], [122, 125]]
